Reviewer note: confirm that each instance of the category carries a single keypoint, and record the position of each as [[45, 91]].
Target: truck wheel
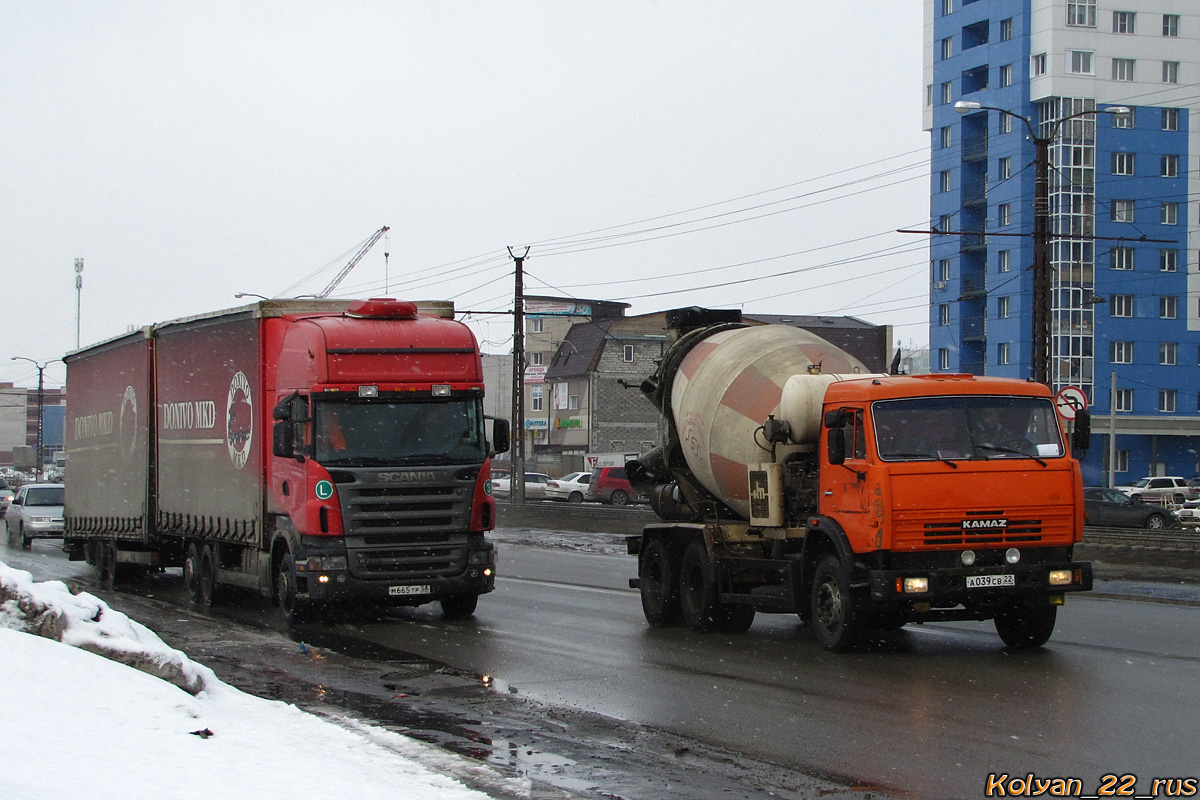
[[457, 606], [835, 617], [191, 572], [1023, 627], [106, 562], [295, 610], [619, 498], [206, 580], [659, 586], [702, 611]]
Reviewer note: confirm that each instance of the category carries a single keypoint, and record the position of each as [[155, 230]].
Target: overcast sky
[[739, 154]]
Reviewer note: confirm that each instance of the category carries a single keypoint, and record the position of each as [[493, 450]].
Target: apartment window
[[948, 47], [944, 180], [943, 358], [1122, 69], [944, 314], [929, 95], [1006, 29], [1170, 72], [1081, 13], [1121, 463], [1169, 213], [535, 398], [944, 270], [1124, 399], [1004, 260], [1121, 305], [1122, 258], [1037, 65], [536, 359], [537, 325], [1123, 120], [627, 353], [947, 7], [1170, 119], [1168, 260], [1167, 307], [944, 223], [948, 136], [1166, 401], [1003, 307], [947, 92], [1124, 21], [1004, 168], [1006, 123], [1006, 75], [1170, 24], [1122, 211], [1166, 353], [1122, 163], [1079, 62], [1002, 353], [1004, 212], [1170, 167], [572, 402], [1122, 353]]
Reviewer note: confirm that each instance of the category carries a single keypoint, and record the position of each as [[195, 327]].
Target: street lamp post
[[41, 368], [1041, 227]]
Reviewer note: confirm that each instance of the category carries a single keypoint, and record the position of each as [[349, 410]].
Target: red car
[[611, 485]]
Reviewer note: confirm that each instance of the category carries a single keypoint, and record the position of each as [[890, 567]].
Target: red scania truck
[[316, 451]]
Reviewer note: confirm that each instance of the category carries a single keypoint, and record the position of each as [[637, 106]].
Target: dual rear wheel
[[682, 589]]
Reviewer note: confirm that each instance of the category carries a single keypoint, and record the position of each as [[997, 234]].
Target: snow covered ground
[[144, 721]]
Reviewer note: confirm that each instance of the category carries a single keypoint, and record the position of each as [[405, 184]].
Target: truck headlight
[[325, 563], [912, 585], [1060, 577], [482, 557]]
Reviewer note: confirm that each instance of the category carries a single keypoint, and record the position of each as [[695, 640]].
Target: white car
[[571, 487], [36, 512], [535, 485], [1163, 489]]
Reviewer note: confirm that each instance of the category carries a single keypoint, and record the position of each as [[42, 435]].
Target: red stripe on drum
[[832, 360], [695, 358], [753, 395], [730, 476]]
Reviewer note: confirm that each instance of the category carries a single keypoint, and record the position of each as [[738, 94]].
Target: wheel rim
[[829, 605], [1155, 523], [283, 586], [619, 498]]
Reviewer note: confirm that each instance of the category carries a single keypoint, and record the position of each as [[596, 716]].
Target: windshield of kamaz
[[971, 427], [379, 432]]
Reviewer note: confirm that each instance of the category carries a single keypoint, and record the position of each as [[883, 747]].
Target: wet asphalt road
[[557, 677]]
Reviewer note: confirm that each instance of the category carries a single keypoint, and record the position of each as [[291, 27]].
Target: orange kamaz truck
[[791, 481]]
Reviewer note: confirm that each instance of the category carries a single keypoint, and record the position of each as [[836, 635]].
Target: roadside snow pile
[[79, 725], [85, 621]]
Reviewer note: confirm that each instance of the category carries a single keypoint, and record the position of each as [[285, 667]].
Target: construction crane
[[375, 237]]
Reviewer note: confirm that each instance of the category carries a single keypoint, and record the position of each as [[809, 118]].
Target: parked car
[[611, 485], [1112, 508], [1166, 488], [535, 485], [1189, 513], [6, 496], [36, 512], [571, 487]]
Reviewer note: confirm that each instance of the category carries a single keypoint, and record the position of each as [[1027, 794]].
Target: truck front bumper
[[975, 592], [316, 582]]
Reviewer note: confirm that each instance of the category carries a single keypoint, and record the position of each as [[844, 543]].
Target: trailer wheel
[[457, 606], [191, 572], [206, 580], [702, 611], [106, 562], [659, 585], [295, 610], [835, 618], [1023, 627]]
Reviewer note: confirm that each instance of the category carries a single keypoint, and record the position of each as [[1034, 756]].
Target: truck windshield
[[976, 427], [379, 432]]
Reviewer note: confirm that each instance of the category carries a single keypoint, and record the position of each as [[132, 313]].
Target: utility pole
[[78, 296], [517, 481], [1041, 340], [38, 466]]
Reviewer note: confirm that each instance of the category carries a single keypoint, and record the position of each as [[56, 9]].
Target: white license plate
[[400, 591], [989, 581]]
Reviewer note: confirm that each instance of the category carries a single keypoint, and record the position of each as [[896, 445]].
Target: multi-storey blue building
[[1123, 294]]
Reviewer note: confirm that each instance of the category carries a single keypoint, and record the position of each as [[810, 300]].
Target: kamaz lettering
[[975, 524]]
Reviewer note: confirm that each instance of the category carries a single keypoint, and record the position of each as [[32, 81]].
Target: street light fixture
[[1041, 226], [240, 295], [39, 466]]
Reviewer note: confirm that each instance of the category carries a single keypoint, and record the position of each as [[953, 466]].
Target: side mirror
[[837, 446], [1081, 437], [283, 441], [283, 409], [500, 435]]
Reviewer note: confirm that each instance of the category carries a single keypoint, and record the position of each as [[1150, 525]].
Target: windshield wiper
[[1010, 451]]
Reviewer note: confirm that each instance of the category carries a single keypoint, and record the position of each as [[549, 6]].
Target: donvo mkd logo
[[984, 524]]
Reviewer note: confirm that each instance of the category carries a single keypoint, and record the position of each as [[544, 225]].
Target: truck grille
[[916, 529], [408, 531]]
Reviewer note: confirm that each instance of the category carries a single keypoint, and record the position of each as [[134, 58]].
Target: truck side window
[[858, 438], [302, 425]]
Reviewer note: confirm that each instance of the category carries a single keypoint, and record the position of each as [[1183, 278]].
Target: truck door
[[847, 483]]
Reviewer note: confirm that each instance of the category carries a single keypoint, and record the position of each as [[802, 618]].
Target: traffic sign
[[1070, 401]]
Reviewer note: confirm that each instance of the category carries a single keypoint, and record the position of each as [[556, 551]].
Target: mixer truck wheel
[[1022, 626], [702, 611], [191, 572], [836, 618], [659, 585]]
